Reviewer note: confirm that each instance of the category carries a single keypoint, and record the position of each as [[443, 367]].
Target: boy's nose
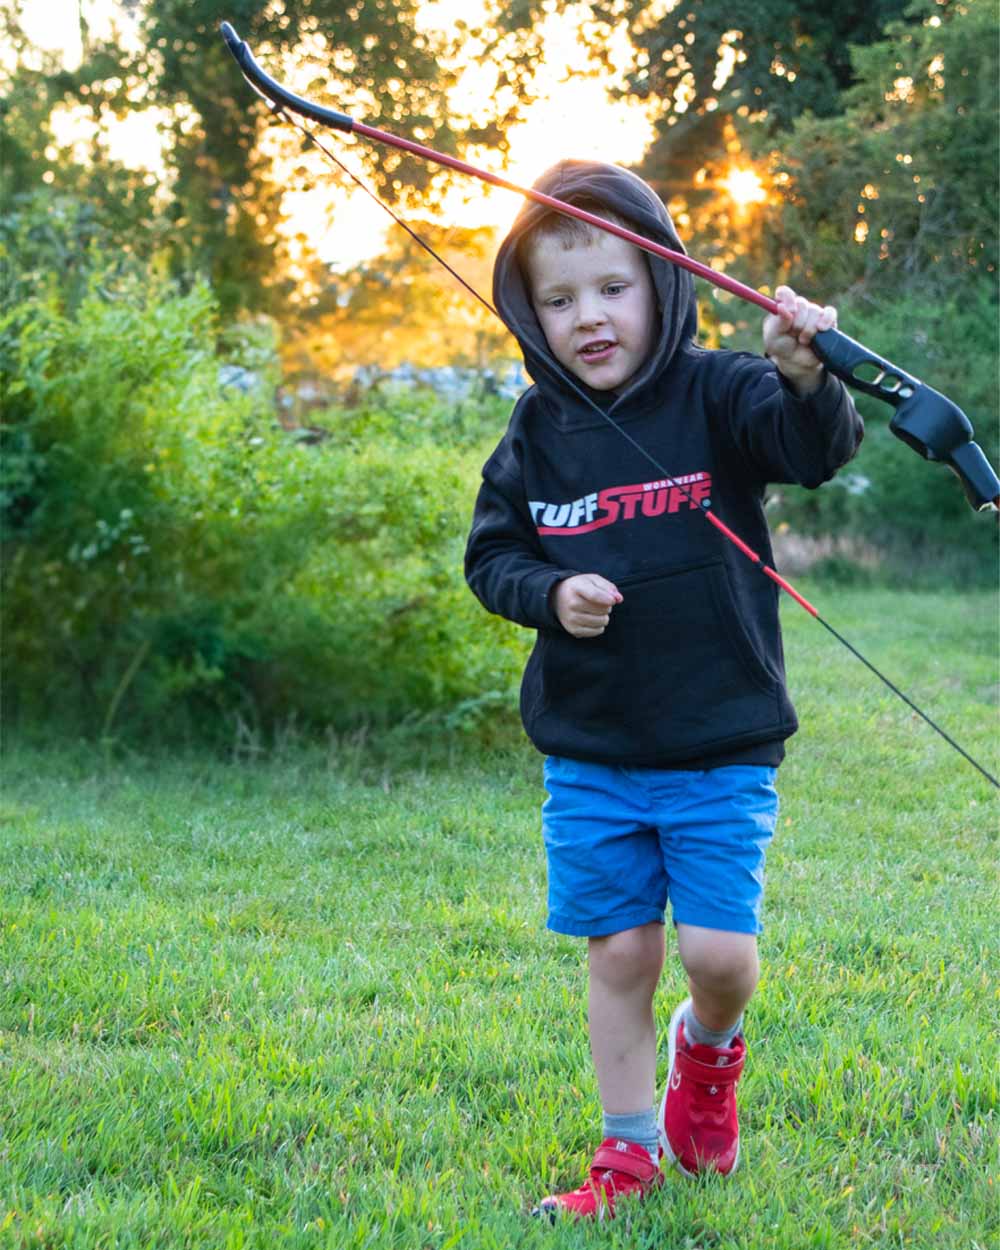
[[589, 312]]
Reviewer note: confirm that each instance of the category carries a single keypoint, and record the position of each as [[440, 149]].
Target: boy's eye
[[557, 301], [615, 288]]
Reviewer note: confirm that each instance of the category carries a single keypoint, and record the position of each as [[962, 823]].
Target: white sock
[[697, 1034], [638, 1127]]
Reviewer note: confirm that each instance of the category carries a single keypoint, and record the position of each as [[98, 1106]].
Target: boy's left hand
[[788, 334]]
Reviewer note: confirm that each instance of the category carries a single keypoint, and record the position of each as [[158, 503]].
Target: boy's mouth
[[597, 351]]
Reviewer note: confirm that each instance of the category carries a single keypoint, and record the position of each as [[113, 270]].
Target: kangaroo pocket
[[675, 674]]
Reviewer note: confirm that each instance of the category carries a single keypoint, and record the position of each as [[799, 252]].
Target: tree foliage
[[891, 208], [899, 190], [701, 66], [222, 202]]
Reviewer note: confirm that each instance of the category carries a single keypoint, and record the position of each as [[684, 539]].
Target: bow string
[[934, 426]]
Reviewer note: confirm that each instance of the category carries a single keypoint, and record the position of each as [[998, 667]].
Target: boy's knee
[[629, 957], [720, 960]]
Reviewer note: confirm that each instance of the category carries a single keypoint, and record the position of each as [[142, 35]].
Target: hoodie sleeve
[[504, 562], [785, 437]]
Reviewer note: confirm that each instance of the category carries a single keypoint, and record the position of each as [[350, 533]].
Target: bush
[[175, 562]]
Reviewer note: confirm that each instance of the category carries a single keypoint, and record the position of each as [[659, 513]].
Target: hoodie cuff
[[536, 596], [825, 397]]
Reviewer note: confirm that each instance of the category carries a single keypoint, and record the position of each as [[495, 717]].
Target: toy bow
[[925, 420], [933, 425]]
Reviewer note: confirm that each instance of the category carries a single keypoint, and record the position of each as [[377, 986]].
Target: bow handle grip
[[862, 369], [925, 420]]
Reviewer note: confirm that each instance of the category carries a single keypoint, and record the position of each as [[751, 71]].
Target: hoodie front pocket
[[674, 672]]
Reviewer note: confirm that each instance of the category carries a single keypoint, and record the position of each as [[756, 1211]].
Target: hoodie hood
[[629, 197]]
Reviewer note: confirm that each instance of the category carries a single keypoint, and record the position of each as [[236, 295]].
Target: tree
[[899, 192], [222, 204], [890, 208], [703, 65]]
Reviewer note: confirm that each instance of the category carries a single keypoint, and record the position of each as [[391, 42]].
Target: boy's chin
[[606, 386]]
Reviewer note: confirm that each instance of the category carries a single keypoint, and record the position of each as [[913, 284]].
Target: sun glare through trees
[[744, 187]]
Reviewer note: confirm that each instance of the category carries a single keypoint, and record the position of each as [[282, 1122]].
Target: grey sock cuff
[[695, 1031], [636, 1126]]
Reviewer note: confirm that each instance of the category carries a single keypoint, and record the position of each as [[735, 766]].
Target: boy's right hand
[[583, 604]]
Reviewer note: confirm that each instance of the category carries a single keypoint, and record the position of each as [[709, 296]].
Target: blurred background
[[244, 414]]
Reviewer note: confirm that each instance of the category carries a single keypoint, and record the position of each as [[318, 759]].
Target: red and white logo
[[622, 503]]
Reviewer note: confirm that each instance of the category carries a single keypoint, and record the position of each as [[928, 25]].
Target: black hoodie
[[689, 672]]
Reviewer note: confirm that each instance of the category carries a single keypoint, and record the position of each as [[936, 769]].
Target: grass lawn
[[310, 1002]]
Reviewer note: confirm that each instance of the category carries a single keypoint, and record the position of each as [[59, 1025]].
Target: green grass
[[310, 1002]]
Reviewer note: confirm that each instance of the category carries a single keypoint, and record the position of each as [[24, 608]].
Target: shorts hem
[[718, 920], [606, 926]]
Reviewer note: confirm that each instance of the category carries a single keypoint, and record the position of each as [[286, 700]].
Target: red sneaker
[[619, 1168], [698, 1124]]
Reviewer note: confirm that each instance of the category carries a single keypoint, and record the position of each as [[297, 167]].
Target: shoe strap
[[708, 1073], [634, 1162]]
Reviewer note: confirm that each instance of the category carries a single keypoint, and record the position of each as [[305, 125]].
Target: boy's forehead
[[550, 255]]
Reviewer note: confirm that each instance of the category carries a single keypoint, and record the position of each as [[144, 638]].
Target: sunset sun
[[744, 187]]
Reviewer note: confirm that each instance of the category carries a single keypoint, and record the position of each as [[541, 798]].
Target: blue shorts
[[621, 841]]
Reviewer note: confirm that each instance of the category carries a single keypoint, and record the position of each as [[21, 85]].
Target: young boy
[[656, 684]]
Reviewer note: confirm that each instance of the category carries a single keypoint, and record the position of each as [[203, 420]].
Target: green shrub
[[175, 562]]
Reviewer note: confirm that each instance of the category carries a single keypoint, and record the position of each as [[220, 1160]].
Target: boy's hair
[[570, 232]]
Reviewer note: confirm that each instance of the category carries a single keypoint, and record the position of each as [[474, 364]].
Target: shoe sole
[[668, 1154]]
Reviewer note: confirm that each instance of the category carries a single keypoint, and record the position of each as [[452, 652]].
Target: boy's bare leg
[[698, 1120], [624, 970], [722, 972]]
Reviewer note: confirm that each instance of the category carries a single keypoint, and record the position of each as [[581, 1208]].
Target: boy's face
[[596, 306]]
